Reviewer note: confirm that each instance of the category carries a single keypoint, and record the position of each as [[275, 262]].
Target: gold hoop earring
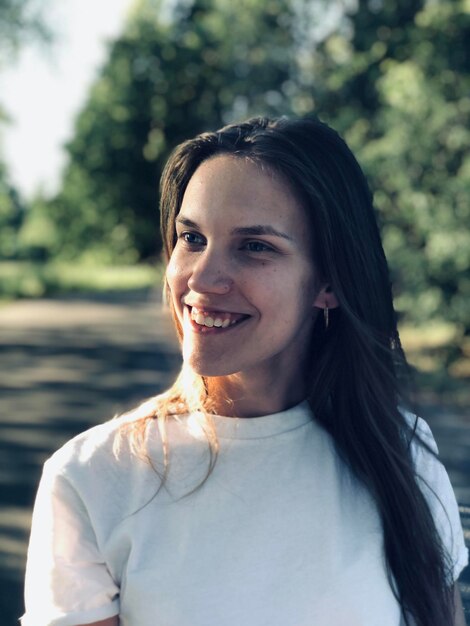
[[326, 316]]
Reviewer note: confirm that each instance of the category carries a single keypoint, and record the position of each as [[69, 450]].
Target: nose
[[210, 274]]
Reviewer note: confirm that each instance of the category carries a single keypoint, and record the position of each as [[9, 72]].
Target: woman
[[279, 481]]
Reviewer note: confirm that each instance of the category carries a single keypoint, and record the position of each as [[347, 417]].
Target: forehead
[[232, 188]]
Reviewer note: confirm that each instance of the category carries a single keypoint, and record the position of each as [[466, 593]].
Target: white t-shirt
[[280, 534]]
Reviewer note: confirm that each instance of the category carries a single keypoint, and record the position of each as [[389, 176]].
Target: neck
[[237, 395]]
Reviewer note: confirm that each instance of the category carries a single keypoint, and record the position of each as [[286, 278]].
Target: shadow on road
[[69, 364], [66, 365]]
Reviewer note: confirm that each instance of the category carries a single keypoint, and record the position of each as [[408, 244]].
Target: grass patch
[[33, 280]]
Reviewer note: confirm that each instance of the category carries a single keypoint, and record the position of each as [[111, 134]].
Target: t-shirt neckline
[[264, 425]]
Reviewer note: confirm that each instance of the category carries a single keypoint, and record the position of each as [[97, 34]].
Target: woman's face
[[241, 276]]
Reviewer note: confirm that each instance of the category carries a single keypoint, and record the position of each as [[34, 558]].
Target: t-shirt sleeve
[[436, 487], [67, 581]]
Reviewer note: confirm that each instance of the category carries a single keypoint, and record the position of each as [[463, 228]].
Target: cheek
[[173, 292], [174, 287], [174, 273], [290, 294], [300, 299]]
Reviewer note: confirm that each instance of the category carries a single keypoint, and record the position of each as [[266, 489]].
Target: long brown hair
[[357, 362]]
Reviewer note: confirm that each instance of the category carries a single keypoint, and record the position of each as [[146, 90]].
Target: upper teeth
[[223, 320]]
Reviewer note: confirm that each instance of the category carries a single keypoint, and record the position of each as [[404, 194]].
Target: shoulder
[[89, 472], [436, 487], [105, 460], [424, 451], [90, 449], [420, 436], [430, 472]]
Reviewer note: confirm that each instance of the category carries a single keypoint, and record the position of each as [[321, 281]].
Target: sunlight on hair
[[186, 402], [197, 425], [200, 423]]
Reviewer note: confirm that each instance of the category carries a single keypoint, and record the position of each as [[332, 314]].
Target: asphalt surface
[[71, 363]]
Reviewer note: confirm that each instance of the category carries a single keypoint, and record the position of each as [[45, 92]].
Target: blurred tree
[[11, 217], [395, 80], [20, 19], [171, 74], [391, 75], [38, 238]]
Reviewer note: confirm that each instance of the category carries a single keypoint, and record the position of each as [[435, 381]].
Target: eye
[[191, 239], [257, 246]]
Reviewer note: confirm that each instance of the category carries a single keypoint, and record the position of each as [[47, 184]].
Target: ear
[[326, 298]]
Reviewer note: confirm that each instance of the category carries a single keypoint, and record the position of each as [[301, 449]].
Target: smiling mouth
[[216, 320]]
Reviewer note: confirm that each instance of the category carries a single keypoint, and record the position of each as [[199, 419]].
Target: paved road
[[68, 364]]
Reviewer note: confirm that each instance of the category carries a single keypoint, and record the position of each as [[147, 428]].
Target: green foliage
[[392, 76], [11, 217], [165, 80], [20, 19], [398, 89], [38, 236]]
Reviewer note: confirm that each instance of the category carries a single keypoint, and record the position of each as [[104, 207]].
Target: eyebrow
[[255, 230]]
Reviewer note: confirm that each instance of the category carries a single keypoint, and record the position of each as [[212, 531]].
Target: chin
[[208, 368]]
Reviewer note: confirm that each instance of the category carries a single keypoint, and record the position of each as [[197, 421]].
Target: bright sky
[[44, 90]]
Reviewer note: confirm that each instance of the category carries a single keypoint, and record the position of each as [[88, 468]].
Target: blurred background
[[93, 97]]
